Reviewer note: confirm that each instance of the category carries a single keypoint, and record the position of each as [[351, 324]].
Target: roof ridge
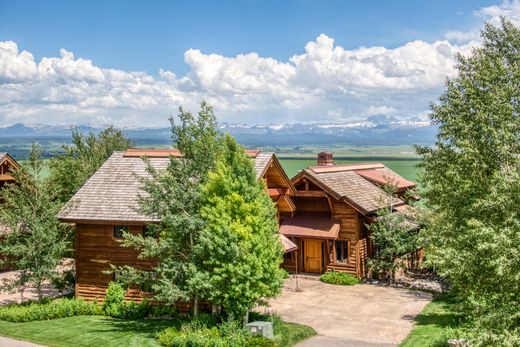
[[346, 167]]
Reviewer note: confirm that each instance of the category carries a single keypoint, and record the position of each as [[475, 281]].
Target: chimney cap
[[325, 158]]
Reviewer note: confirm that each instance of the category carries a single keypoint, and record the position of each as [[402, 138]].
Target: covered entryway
[[313, 256], [311, 232]]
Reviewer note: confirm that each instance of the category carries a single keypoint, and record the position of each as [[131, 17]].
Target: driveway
[[359, 315], [29, 294]]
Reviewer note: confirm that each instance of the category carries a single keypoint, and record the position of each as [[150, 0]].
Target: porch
[[319, 247]]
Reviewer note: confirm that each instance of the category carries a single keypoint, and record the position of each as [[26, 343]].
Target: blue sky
[[197, 45], [148, 35]]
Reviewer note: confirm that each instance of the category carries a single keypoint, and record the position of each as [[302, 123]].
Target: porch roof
[[288, 245], [311, 226]]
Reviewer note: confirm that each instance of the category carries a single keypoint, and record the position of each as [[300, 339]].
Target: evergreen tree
[[35, 241], [80, 160], [471, 183], [239, 251]]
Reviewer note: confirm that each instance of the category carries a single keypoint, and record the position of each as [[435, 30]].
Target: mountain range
[[372, 131]]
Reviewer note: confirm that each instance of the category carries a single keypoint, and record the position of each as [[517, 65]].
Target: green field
[[405, 167]]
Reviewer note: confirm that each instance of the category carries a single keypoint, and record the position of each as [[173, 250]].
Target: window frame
[[342, 250], [119, 228]]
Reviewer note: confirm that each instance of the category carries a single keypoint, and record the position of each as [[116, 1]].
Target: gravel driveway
[[359, 315]]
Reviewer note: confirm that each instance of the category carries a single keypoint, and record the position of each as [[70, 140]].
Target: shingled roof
[[350, 183], [111, 194]]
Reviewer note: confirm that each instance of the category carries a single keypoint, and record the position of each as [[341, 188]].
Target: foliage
[[393, 235], [232, 334], [36, 241], [80, 160], [51, 309], [173, 195], [339, 278], [114, 300], [240, 235], [472, 181], [115, 305]]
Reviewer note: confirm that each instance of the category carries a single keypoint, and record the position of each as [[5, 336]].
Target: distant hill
[[372, 131]]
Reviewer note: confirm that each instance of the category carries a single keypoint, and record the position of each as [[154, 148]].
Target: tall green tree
[[393, 234], [239, 252], [35, 241], [472, 185], [173, 195], [80, 160]]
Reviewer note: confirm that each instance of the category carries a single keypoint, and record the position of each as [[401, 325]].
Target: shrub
[[339, 278], [196, 334], [58, 308], [114, 300]]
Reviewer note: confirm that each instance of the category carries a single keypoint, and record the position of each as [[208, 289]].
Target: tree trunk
[[196, 306], [39, 290], [246, 317]]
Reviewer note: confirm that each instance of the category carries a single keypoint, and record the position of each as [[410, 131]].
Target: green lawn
[[102, 331], [437, 318], [403, 166], [83, 331]]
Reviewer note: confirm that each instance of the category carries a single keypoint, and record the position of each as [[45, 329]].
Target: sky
[[133, 63]]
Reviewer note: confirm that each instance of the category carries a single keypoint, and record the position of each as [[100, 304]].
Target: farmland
[[405, 167]]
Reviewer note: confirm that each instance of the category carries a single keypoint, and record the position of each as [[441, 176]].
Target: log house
[[334, 203], [107, 205]]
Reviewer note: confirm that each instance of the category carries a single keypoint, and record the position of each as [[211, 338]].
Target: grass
[[96, 331], [403, 166], [291, 333], [432, 324], [86, 331]]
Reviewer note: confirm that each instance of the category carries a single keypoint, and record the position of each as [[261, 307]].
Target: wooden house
[[107, 205], [7, 165], [333, 205]]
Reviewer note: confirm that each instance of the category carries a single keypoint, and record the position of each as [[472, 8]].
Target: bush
[[58, 308], [339, 278], [199, 334], [116, 306], [114, 300]]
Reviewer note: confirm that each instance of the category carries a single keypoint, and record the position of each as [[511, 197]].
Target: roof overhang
[[311, 226], [288, 245]]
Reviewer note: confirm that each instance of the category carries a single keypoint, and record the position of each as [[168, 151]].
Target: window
[[119, 230], [117, 275], [342, 251], [149, 231]]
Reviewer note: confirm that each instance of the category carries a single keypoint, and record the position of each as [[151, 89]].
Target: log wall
[[96, 248]]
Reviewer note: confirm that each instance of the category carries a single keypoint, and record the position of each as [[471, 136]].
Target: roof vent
[[325, 159]]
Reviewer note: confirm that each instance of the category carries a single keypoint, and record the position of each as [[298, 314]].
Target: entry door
[[312, 249]]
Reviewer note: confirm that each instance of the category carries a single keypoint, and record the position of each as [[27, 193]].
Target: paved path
[[360, 315], [7, 342]]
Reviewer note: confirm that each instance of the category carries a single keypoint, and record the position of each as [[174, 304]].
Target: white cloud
[[325, 82]]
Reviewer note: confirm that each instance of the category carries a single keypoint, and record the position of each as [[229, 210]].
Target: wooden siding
[[96, 248]]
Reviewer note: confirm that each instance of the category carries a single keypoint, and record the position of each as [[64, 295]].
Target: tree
[[72, 168], [173, 195], [238, 250], [471, 184], [36, 241], [394, 234]]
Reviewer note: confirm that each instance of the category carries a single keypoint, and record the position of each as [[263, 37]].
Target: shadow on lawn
[[145, 327], [445, 317]]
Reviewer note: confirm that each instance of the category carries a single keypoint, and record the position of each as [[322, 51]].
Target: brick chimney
[[325, 159]]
